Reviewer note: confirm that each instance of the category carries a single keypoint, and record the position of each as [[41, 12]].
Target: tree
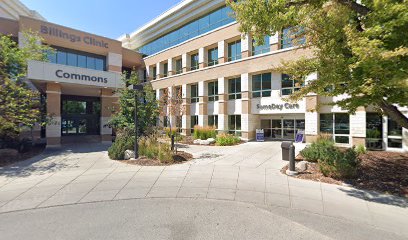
[[147, 110], [19, 105], [171, 105], [360, 48]]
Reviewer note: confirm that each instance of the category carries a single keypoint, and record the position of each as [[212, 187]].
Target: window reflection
[[213, 20], [77, 59]]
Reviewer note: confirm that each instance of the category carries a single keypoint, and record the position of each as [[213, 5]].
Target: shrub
[[174, 131], [121, 144], [224, 139], [151, 148], [339, 164], [318, 149], [360, 149], [204, 133]]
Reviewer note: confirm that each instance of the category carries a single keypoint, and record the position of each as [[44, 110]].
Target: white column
[[246, 43], [114, 60], [312, 123], [202, 91], [245, 83], [186, 120], [358, 124], [170, 65], [159, 70], [274, 39], [186, 61], [202, 55], [221, 49], [222, 116]]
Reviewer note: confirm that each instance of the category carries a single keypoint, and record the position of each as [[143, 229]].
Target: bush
[[224, 139], [121, 144], [204, 133], [174, 131], [339, 164], [360, 149], [318, 149], [153, 149]]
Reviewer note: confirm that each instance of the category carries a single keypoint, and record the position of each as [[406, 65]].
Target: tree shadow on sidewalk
[[376, 197], [50, 161]]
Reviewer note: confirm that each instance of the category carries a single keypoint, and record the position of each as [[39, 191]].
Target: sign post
[[300, 136], [260, 135]]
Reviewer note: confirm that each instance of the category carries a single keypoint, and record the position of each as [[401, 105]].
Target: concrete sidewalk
[[245, 173]]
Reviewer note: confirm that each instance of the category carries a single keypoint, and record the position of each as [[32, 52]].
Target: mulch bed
[[385, 172], [34, 151], [178, 158]]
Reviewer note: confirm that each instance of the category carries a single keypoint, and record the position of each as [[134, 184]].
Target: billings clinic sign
[[56, 32]]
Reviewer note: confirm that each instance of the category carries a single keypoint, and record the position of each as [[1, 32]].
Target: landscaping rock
[[129, 154], [8, 154], [211, 140], [197, 141], [204, 142], [302, 166]]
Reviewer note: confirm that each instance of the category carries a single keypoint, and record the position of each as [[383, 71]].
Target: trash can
[[285, 150]]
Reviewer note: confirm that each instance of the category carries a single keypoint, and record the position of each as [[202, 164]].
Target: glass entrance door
[[282, 129], [80, 115]]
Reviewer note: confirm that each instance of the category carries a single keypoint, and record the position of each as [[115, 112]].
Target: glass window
[[262, 85], [72, 59], [213, 91], [204, 24], [213, 57], [234, 51], [326, 123], [259, 49], [165, 70], [62, 58], [194, 122], [90, 62], [338, 125], [99, 64], [179, 66], [52, 56], [234, 124], [194, 93], [194, 61], [394, 134], [289, 85], [289, 36], [213, 121], [81, 61], [234, 88], [154, 72]]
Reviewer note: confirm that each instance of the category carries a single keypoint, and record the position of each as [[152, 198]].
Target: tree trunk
[[393, 112]]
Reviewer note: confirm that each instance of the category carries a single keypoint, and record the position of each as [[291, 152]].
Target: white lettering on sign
[[277, 106]]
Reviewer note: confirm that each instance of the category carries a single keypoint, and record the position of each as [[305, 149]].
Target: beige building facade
[[79, 82], [229, 82]]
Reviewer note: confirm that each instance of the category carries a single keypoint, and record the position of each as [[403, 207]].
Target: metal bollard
[[292, 168]]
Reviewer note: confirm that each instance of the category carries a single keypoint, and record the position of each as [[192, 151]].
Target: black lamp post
[[138, 87]]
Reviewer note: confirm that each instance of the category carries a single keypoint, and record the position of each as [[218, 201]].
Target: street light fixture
[[136, 88]]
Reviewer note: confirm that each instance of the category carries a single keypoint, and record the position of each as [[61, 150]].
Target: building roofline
[[154, 21]]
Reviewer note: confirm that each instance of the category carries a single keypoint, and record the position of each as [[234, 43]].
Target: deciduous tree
[[360, 48], [19, 104]]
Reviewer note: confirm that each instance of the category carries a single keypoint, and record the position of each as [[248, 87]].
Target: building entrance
[[80, 115], [282, 129]]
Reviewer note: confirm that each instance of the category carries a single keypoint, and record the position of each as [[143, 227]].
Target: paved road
[[178, 219], [247, 173]]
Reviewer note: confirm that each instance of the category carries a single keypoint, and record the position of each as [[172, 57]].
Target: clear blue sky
[[109, 18]]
